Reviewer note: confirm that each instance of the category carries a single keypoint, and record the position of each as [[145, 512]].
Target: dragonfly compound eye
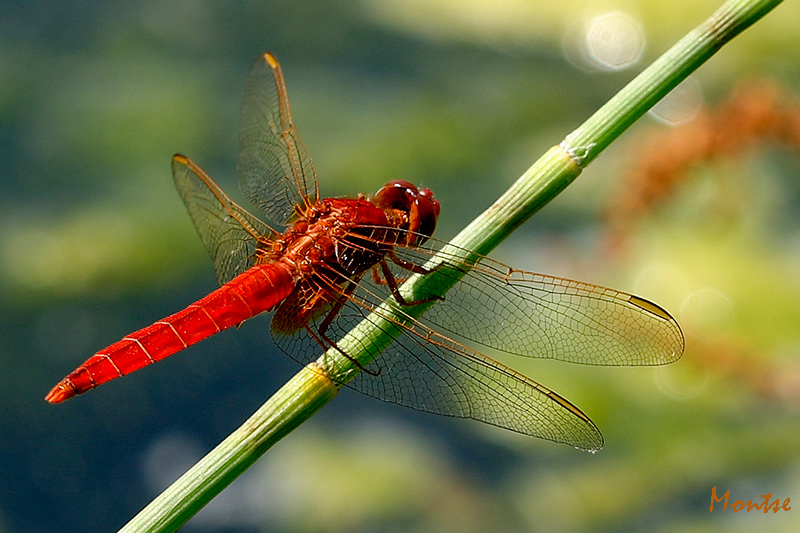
[[421, 206]]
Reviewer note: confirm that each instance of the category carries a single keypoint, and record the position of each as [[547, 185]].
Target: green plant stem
[[297, 400], [309, 390]]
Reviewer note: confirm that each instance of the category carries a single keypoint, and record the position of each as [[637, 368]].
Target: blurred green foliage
[[461, 97]]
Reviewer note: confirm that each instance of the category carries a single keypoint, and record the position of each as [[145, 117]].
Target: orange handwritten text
[[748, 506]]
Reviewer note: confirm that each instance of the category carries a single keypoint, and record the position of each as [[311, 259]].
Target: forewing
[[275, 172], [229, 233], [537, 315]]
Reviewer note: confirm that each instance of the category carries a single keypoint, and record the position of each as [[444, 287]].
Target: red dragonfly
[[340, 259]]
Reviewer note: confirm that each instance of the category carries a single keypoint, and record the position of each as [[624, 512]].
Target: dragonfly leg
[[392, 282], [411, 267], [321, 334], [337, 306]]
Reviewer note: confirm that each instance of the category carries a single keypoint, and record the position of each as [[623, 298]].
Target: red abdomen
[[256, 290]]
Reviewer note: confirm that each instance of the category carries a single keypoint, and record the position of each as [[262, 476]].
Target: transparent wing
[[518, 312], [229, 233], [537, 315], [275, 172], [429, 372]]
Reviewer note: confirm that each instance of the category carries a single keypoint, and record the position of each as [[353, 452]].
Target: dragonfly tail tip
[[61, 392]]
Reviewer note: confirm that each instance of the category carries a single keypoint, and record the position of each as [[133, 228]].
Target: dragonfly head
[[419, 204]]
